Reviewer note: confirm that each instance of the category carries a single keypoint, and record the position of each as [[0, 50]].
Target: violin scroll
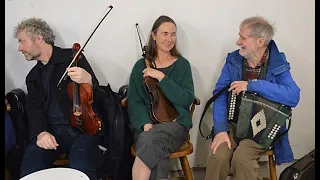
[[143, 48], [76, 47]]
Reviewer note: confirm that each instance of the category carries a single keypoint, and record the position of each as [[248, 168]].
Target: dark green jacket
[[177, 86]]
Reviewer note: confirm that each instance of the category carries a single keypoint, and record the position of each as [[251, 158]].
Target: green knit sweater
[[177, 86]]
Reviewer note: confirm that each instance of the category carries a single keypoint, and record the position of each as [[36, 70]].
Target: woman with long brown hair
[[157, 141]]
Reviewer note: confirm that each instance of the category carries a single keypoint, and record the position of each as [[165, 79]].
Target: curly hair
[[34, 27]]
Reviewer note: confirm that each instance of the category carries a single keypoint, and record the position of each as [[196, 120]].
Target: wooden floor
[[199, 173]]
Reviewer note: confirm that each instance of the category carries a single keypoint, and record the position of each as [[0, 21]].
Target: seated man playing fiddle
[[48, 106]]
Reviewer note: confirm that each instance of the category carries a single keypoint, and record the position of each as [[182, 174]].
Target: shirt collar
[[263, 60]]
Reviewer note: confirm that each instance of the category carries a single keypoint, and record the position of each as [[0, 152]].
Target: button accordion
[[258, 118]]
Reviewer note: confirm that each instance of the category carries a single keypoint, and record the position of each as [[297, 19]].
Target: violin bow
[[80, 50], [144, 48]]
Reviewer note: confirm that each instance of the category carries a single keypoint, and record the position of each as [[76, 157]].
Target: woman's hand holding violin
[[147, 127], [153, 73]]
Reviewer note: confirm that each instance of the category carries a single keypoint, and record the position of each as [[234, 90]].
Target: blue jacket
[[278, 86]]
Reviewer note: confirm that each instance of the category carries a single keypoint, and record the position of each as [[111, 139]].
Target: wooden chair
[[272, 166], [182, 152], [62, 161]]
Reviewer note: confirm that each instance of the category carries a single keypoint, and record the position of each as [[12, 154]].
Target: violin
[[82, 115], [161, 109]]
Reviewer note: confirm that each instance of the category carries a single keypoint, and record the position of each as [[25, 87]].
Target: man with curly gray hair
[[48, 105]]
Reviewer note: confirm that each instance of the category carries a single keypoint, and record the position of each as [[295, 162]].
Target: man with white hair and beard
[[257, 57]]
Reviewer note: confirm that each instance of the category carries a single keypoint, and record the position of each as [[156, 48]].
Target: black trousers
[[84, 154]]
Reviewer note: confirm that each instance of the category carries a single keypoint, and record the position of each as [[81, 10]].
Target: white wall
[[207, 30]]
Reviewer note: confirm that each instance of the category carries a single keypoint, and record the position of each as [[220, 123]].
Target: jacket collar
[[274, 57], [56, 58]]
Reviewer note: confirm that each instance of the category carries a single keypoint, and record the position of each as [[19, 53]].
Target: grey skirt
[[153, 147]]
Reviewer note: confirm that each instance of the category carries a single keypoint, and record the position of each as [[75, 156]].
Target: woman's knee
[[144, 139]]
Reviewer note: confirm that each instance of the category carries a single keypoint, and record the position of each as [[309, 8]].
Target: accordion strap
[[209, 102]]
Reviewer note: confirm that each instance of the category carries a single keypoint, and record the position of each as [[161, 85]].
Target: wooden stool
[[272, 164]]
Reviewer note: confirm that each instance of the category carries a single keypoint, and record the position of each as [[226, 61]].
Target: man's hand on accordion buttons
[[238, 86]]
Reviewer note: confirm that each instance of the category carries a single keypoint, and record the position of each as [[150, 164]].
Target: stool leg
[[186, 167], [272, 168]]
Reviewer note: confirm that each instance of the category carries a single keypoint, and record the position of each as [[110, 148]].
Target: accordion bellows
[[257, 118]]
